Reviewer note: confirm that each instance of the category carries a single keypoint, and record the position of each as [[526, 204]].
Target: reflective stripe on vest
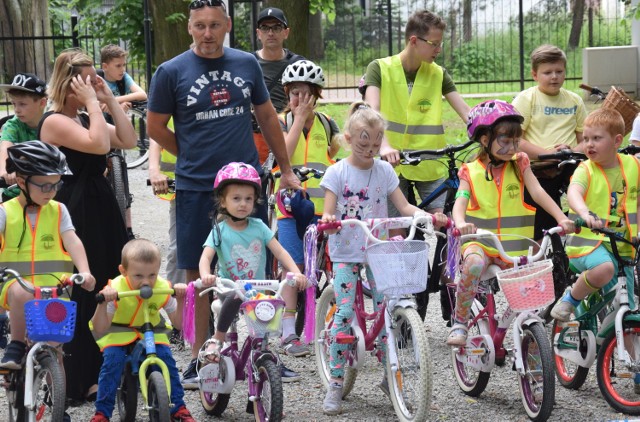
[[501, 209], [414, 121], [312, 152], [584, 242], [43, 241], [127, 320]]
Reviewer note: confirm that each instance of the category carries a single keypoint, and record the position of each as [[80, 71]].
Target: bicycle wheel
[[127, 396], [410, 385], [269, 405], [158, 398], [569, 374], [139, 154], [118, 179], [537, 385], [615, 379], [214, 404], [48, 389], [15, 396], [325, 309], [473, 381]]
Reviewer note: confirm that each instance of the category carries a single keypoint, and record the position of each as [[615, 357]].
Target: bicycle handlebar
[[614, 237], [630, 150], [562, 155], [226, 286], [7, 274], [518, 260], [171, 184], [145, 292], [303, 173], [415, 157], [594, 90]]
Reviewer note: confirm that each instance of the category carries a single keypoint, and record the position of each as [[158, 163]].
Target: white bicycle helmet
[[303, 71]]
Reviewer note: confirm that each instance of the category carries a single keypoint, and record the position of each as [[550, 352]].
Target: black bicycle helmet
[[36, 158]]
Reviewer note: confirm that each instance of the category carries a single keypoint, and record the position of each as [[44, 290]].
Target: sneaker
[[562, 311], [332, 403], [4, 330], [294, 347], [13, 355], [384, 386], [287, 375], [190, 376], [182, 415], [176, 338], [457, 335], [99, 417], [250, 408]]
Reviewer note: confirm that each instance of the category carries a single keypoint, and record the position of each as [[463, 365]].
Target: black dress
[[99, 224]]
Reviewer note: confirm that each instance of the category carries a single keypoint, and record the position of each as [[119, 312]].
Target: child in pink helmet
[[492, 187], [240, 242]]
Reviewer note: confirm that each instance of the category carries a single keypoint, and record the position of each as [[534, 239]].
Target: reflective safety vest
[[41, 251], [500, 209], [168, 168], [128, 319], [598, 197], [312, 152], [414, 120]]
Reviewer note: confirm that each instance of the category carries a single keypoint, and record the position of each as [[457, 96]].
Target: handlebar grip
[[99, 298], [329, 226], [586, 87], [3, 183], [77, 279]]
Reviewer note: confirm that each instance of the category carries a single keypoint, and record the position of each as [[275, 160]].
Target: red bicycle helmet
[[237, 173], [489, 113]]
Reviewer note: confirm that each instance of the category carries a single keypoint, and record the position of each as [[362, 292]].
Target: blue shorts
[[288, 238], [601, 255], [194, 210], [424, 189]]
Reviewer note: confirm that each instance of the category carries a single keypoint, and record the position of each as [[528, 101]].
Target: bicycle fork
[[30, 369]]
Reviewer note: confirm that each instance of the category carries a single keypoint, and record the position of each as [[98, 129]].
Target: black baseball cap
[[275, 13], [27, 82]]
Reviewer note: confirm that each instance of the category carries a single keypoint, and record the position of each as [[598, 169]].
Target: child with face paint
[[357, 187], [491, 196]]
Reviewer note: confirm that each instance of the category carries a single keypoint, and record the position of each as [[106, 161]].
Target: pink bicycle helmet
[[488, 113], [237, 173], [283, 202]]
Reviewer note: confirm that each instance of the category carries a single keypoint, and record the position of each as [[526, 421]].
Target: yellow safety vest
[[597, 199], [414, 120], [41, 258], [127, 321], [168, 168], [501, 209], [312, 152]]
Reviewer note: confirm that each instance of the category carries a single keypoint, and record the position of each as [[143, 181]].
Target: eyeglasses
[[431, 43], [47, 187], [199, 4], [276, 29]]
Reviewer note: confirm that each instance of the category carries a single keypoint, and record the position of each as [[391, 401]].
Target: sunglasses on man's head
[[199, 4]]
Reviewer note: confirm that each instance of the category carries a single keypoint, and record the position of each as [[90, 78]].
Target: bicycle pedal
[[570, 324], [475, 351], [5, 371], [344, 338]]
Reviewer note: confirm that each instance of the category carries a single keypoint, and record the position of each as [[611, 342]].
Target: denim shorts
[[288, 238], [424, 189]]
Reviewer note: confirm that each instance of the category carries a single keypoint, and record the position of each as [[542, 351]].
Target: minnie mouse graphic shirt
[[362, 194]]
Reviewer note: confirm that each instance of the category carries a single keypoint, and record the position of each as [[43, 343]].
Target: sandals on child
[[210, 351], [457, 335]]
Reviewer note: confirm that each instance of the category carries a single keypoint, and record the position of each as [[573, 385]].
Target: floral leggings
[[344, 284], [474, 262]]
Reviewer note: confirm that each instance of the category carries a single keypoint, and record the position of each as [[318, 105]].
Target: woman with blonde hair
[[76, 124]]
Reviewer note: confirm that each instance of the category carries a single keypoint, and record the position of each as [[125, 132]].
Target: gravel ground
[[303, 400]]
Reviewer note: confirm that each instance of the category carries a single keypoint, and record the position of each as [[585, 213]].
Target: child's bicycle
[[143, 368], [527, 287], [400, 269], [614, 341], [254, 362], [38, 390]]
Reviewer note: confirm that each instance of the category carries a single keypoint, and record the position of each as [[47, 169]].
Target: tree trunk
[[315, 37], [169, 38], [576, 24], [297, 13], [25, 18], [467, 29]]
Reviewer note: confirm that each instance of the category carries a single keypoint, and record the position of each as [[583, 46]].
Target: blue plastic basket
[[50, 320]]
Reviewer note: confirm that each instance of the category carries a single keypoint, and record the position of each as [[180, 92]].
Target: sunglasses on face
[[199, 4], [47, 187]]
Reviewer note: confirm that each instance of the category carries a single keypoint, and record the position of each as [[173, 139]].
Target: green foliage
[[327, 7]]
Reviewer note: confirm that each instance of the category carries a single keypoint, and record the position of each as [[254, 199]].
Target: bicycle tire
[[127, 395], [410, 387], [139, 154], [325, 310], [472, 382], [48, 392], [538, 400], [15, 396], [118, 180], [158, 398], [569, 374], [214, 404], [618, 391], [270, 402]]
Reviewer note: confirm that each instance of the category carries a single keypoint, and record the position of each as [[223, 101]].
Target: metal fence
[[486, 45]]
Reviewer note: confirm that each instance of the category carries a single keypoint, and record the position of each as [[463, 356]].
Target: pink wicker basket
[[528, 287]]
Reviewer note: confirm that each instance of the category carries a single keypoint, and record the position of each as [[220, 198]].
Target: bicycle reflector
[[55, 312]]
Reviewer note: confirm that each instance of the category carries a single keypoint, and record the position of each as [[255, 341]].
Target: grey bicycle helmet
[[303, 71], [36, 158]]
